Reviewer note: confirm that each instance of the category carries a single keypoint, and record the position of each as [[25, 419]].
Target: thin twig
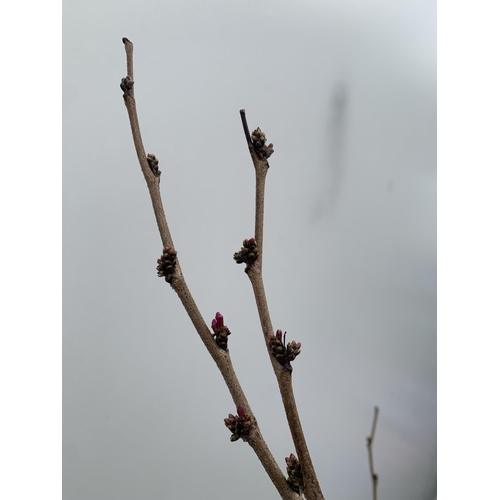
[[261, 168], [369, 444], [312, 489], [129, 49], [245, 128], [178, 283]]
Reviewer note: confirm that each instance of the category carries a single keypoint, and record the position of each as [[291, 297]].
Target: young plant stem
[[312, 489], [369, 444], [178, 283]]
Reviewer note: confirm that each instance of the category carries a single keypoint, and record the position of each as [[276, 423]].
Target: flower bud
[[219, 319]]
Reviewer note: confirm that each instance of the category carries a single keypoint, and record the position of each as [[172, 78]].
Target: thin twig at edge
[[369, 444]]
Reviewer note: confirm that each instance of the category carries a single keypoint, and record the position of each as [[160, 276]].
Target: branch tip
[[245, 128]]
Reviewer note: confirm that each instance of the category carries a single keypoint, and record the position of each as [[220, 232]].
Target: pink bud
[[279, 334], [241, 411], [214, 325], [220, 319]]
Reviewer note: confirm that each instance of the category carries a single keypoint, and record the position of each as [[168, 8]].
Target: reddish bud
[[220, 319], [214, 325], [279, 334], [241, 411], [271, 145]]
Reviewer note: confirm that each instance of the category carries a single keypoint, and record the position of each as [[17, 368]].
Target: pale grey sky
[[346, 91]]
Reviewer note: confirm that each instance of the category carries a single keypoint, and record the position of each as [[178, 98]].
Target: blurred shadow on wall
[[333, 164]]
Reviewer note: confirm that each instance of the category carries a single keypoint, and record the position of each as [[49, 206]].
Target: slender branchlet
[[152, 180], [169, 268], [369, 445], [259, 158], [260, 153]]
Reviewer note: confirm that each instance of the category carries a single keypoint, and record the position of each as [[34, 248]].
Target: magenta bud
[[241, 411], [214, 325], [279, 334], [219, 319]]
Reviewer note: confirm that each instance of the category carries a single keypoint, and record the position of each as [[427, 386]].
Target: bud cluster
[[240, 424], [248, 253], [284, 354], [221, 331], [259, 143], [295, 479], [166, 264], [153, 164], [126, 84]]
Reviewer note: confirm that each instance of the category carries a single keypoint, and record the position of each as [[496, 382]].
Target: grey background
[[346, 91]]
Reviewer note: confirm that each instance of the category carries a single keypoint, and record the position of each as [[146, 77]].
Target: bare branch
[[149, 167], [369, 444], [259, 154], [261, 167]]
